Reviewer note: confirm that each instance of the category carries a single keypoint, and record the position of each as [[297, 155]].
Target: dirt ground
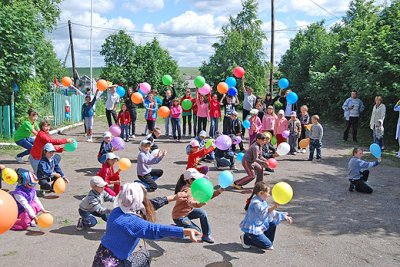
[[332, 226]]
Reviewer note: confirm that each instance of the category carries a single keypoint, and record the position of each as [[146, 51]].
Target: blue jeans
[[264, 240], [176, 127], [378, 141], [293, 138], [315, 144], [26, 143], [125, 131], [213, 127], [186, 222], [167, 120], [194, 124], [88, 219]]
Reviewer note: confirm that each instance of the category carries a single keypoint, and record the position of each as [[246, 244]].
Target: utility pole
[[91, 33], [71, 43], [271, 72]]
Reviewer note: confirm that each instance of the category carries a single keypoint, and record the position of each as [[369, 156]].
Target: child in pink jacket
[[255, 125], [281, 124], [268, 121], [176, 111]]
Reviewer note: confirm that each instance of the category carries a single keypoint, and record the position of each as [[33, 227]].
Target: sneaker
[[242, 241], [79, 225], [270, 248], [302, 151], [236, 186], [310, 160], [352, 187], [33, 223], [90, 140], [269, 170], [19, 159], [39, 193], [133, 136], [208, 239]]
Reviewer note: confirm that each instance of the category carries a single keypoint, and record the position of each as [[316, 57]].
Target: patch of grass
[[66, 222], [10, 253]]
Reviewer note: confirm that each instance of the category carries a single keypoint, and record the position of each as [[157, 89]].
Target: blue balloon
[[292, 98], [225, 179], [143, 94], [283, 83], [232, 91], [239, 156], [120, 91], [376, 150], [231, 82], [246, 124]]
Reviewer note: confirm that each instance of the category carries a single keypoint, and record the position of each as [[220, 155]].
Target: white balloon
[[283, 149], [155, 152]]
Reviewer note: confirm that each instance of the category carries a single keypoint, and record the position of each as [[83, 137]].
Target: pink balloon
[[118, 143], [238, 140], [223, 142], [285, 134], [272, 163], [145, 88], [238, 72], [205, 90], [115, 130]]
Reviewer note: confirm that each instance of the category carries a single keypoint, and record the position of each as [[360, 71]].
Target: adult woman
[[187, 114], [378, 113], [23, 134], [269, 101], [203, 114], [131, 220], [397, 108], [132, 111]]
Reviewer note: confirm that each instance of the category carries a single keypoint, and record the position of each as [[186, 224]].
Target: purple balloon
[[145, 88], [205, 90], [115, 130], [223, 142], [118, 143], [238, 140], [285, 134]]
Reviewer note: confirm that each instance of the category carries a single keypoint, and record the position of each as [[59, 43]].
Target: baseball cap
[[107, 134], [203, 134], [145, 142], [194, 143], [234, 113], [293, 113], [281, 112], [254, 111], [97, 181], [192, 173], [111, 156], [49, 147]]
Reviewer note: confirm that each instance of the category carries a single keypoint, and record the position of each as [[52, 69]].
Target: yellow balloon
[[308, 126], [59, 186], [304, 143], [124, 164], [282, 193], [9, 176]]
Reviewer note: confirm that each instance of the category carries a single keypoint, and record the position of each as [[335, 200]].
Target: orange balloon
[[102, 85], [222, 88], [304, 143], [66, 81], [163, 112], [45, 220], [137, 98], [59, 186], [8, 211], [308, 126], [124, 164]]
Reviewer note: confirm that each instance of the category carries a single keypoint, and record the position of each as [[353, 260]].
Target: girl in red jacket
[[124, 120], [109, 175], [215, 115], [196, 154]]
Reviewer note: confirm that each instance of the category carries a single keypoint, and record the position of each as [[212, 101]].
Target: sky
[[188, 27]]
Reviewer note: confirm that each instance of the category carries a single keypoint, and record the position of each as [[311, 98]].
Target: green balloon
[[199, 81], [273, 140], [167, 79], [187, 104], [202, 190], [209, 143], [70, 147]]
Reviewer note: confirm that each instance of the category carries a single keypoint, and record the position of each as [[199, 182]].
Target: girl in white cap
[[255, 126]]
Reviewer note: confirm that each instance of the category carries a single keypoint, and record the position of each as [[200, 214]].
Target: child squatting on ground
[[109, 175], [105, 147]]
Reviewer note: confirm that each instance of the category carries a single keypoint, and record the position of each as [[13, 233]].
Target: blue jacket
[[47, 167], [154, 108], [87, 109], [104, 148], [356, 165]]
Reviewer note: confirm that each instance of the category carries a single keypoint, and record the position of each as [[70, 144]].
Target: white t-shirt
[[112, 98]]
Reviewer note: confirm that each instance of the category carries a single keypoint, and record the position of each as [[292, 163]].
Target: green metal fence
[[6, 126], [60, 102]]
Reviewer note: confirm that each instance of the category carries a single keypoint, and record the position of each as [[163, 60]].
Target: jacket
[[43, 138], [124, 117], [194, 157], [151, 110], [93, 202], [47, 167], [236, 127], [87, 109], [176, 111], [144, 162], [168, 101]]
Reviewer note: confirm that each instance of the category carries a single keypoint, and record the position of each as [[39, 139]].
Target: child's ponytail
[[258, 187]]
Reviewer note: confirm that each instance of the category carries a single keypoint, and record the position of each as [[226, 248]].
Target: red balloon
[[272, 163], [238, 72]]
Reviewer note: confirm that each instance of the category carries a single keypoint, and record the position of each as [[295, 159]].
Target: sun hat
[[192, 173], [111, 156], [203, 134], [107, 134], [97, 181], [194, 143]]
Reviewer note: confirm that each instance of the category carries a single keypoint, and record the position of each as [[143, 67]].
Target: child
[[109, 175], [167, 102], [379, 131], [230, 106], [304, 120], [187, 114], [92, 204], [253, 160], [215, 115], [196, 154], [268, 120], [236, 129], [316, 134], [188, 209], [152, 137], [194, 109], [151, 112], [268, 150], [105, 147], [358, 172], [201, 138], [259, 224], [255, 126], [124, 121], [144, 171], [49, 170], [203, 114], [176, 111], [281, 124], [225, 158], [259, 107], [87, 115], [28, 203], [294, 127]]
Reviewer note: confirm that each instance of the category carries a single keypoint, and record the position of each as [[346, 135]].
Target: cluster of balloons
[[163, 112], [71, 147]]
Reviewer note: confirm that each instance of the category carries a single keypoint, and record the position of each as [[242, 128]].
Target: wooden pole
[[271, 72], [74, 73]]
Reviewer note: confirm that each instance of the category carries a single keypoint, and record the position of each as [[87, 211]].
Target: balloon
[[66, 81], [115, 130], [375, 150], [223, 142], [45, 220], [140, 92], [166, 79], [285, 134], [232, 91], [239, 156], [187, 104], [137, 98], [304, 143], [124, 164], [145, 88], [282, 193], [120, 91], [238, 140], [8, 211], [283, 149], [238, 72], [209, 143], [273, 140], [225, 179], [199, 81], [205, 89], [163, 112], [283, 83], [308, 126], [222, 88], [246, 124], [102, 85], [292, 98], [272, 163], [59, 186], [118, 143], [202, 190], [231, 82], [71, 147], [9, 176]]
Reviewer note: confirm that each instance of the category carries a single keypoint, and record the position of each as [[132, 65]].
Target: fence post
[[6, 116], [1, 121], [12, 113]]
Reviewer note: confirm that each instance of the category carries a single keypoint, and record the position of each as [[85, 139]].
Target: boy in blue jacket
[[87, 116]]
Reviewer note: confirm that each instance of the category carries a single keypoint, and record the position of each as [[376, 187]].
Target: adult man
[[111, 104], [352, 107], [248, 103], [132, 111], [167, 102]]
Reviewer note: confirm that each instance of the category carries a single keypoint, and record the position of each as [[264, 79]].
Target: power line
[[324, 9]]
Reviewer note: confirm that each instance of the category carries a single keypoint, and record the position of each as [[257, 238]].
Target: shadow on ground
[[89, 234]]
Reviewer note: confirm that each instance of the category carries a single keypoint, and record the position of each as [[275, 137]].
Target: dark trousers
[[176, 127], [110, 113], [241, 147], [245, 114], [201, 124], [88, 219], [264, 240], [352, 122], [315, 144], [361, 185], [187, 118], [47, 183], [150, 125], [194, 125], [133, 114], [151, 177], [226, 125]]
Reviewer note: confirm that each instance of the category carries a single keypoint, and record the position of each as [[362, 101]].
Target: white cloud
[[302, 23], [336, 7], [282, 39], [148, 5], [78, 6]]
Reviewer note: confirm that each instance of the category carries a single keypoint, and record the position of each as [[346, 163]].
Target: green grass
[[193, 71], [9, 253]]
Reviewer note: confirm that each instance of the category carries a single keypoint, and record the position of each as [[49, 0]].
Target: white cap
[[194, 143], [281, 112], [254, 111], [192, 173], [97, 181], [203, 134], [49, 147], [145, 142], [107, 134], [111, 156]]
